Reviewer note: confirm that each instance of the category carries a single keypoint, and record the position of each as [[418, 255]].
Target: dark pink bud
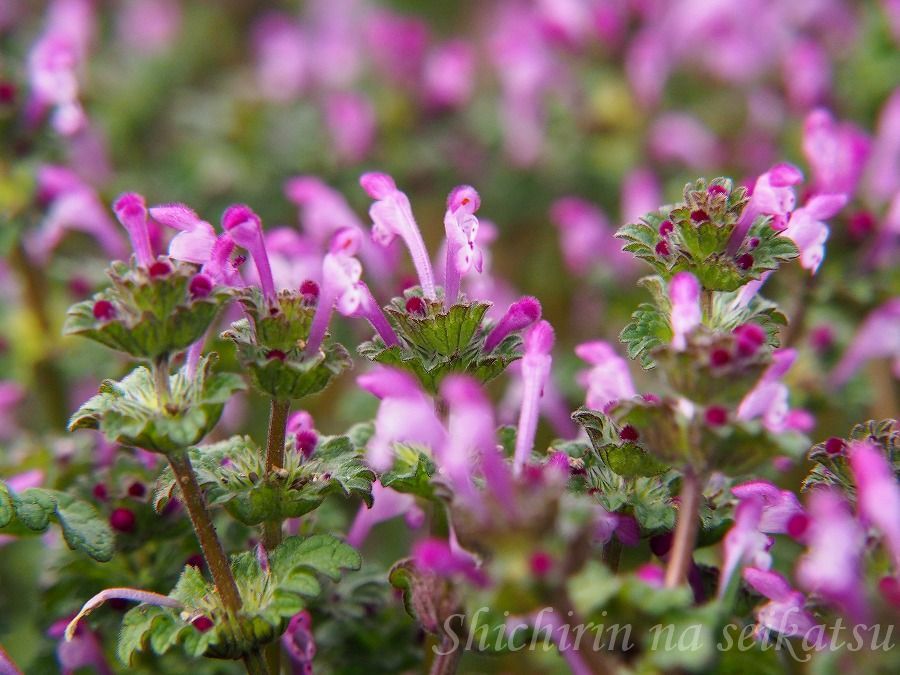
[[195, 560], [699, 216], [834, 446], [797, 525], [889, 588], [79, 287], [122, 520], [7, 93], [629, 433], [202, 623], [159, 269], [201, 286], [415, 305], [753, 243], [666, 228], [715, 416], [719, 358], [750, 337], [716, 190], [307, 439], [276, 354], [652, 399], [744, 261], [662, 249], [100, 492], [309, 289], [862, 224], [137, 489], [821, 338], [540, 563], [104, 310]]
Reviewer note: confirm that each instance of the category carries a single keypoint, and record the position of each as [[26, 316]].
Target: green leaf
[[412, 472], [83, 528], [320, 553], [233, 472], [630, 461], [129, 411]]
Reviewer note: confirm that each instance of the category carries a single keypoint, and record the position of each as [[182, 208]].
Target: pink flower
[[449, 75], [343, 289], [778, 506], [299, 643], [769, 398], [73, 206], [808, 231], [745, 544], [402, 400], [461, 227], [773, 195], [245, 229], [586, 237], [877, 493], [519, 316], [392, 217], [682, 138], [785, 613], [83, 650], [438, 556], [280, 52], [883, 171], [397, 46], [386, 505], [833, 572], [195, 238], [837, 153], [131, 210], [807, 74], [641, 194], [149, 26], [538, 343], [684, 294], [608, 380], [470, 432], [878, 337], [351, 121]]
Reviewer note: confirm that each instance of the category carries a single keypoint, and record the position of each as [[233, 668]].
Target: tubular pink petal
[[131, 210], [520, 315], [245, 229], [684, 292], [538, 343], [878, 494]]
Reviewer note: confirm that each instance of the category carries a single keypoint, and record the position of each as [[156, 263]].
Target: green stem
[[682, 551], [706, 300], [447, 662], [255, 664], [213, 552], [612, 552], [161, 381]]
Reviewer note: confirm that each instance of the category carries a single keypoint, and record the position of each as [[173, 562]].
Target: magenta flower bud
[[752, 243], [100, 492], [699, 216], [392, 217], [309, 289], [750, 337], [520, 315], [540, 563], [744, 261], [195, 560], [122, 520], [629, 433], [131, 210], [159, 269], [715, 416], [245, 229], [834, 446], [797, 525], [684, 293], [719, 358], [137, 490], [104, 310], [202, 623], [666, 228], [415, 305], [274, 354], [307, 439], [662, 248], [537, 343], [714, 190], [201, 286]]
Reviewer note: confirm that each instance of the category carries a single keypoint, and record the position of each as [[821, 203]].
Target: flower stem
[[255, 664], [271, 536], [213, 552], [161, 380], [447, 662], [685, 530], [706, 300]]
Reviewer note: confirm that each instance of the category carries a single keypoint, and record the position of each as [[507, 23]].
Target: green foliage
[[702, 226], [272, 593], [271, 345], [233, 472], [154, 316], [442, 342], [129, 412], [412, 472], [32, 511]]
